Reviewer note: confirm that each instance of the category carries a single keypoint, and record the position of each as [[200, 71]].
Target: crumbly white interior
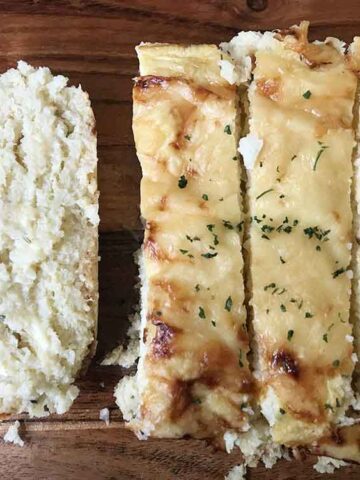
[[48, 239], [250, 147], [127, 397], [237, 473], [240, 49], [126, 356], [12, 435], [256, 444], [129, 389], [228, 71], [328, 464]]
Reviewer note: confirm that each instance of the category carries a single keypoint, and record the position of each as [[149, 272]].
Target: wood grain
[[92, 42]]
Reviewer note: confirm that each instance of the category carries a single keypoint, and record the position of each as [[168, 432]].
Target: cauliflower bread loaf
[[298, 138], [193, 372], [48, 240]]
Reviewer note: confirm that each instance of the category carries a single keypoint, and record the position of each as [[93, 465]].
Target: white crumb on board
[[104, 415], [328, 464], [237, 473], [12, 435]]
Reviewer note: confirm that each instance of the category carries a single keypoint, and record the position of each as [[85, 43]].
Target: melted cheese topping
[[193, 373], [301, 102]]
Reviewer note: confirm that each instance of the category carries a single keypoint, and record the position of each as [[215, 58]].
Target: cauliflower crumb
[[229, 439], [328, 464], [250, 147], [104, 415], [126, 357], [237, 473], [227, 70], [12, 435], [356, 402]]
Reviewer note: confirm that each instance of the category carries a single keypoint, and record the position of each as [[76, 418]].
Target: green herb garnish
[[205, 197], [182, 182], [264, 193], [267, 228], [228, 304], [338, 272], [290, 334], [228, 225], [318, 233], [202, 312], [227, 129], [307, 94], [209, 255], [193, 239], [320, 152]]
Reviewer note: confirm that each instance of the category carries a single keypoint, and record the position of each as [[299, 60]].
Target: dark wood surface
[[92, 42]]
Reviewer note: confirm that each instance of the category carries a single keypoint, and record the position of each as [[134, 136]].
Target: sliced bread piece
[[299, 158], [48, 240], [193, 376]]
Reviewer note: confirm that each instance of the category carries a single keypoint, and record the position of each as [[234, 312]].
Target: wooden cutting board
[[92, 42]]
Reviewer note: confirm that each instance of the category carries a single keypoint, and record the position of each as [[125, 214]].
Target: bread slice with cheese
[[298, 152], [193, 376], [48, 240], [354, 62]]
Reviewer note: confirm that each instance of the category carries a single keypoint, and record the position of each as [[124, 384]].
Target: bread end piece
[[49, 249]]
